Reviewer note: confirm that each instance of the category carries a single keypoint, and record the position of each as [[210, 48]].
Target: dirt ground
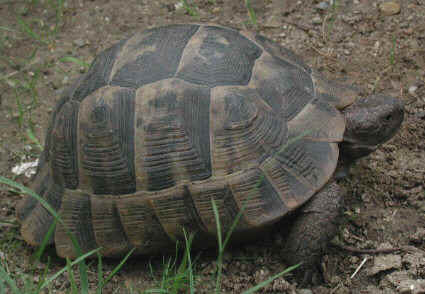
[[375, 46]]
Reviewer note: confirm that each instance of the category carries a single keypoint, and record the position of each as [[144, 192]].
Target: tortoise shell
[[173, 117]]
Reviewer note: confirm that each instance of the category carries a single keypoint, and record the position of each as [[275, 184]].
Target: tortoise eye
[[389, 117]]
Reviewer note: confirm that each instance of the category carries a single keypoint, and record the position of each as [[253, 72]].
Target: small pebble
[[384, 263], [322, 5], [390, 8], [304, 291], [79, 42], [421, 114], [316, 20], [411, 287], [65, 80], [412, 89]]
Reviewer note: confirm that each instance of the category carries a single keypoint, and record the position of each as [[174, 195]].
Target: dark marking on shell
[[161, 140], [39, 186], [64, 145], [226, 206], [218, 56], [261, 202], [141, 225], [196, 118], [292, 191], [173, 126], [176, 211], [107, 227], [98, 73], [108, 147], [294, 100], [39, 220], [161, 49], [277, 81], [76, 215], [282, 52], [244, 130], [310, 161]]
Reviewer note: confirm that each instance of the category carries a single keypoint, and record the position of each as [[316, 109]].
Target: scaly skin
[[315, 225]]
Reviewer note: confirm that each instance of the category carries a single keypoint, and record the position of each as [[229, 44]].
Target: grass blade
[[45, 241], [220, 248], [26, 29], [191, 10], [34, 139], [251, 12], [4, 276], [31, 193], [269, 280], [75, 60], [117, 268], [71, 277], [189, 260], [217, 221], [76, 261], [46, 205], [99, 273]]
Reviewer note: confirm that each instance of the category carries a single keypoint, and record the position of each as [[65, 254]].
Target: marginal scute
[[292, 191], [218, 56], [176, 212], [107, 227], [36, 220], [338, 95], [203, 193], [318, 121], [311, 163], [254, 193], [140, 223], [75, 212], [39, 185], [172, 134]]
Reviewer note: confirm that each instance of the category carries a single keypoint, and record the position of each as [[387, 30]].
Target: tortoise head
[[370, 122]]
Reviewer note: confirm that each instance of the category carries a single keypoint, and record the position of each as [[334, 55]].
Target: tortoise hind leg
[[314, 226], [35, 219]]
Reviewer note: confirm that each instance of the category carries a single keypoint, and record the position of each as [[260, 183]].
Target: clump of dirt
[[373, 45]]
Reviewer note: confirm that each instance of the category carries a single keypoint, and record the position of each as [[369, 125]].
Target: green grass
[[251, 13], [393, 49], [21, 75], [190, 8], [331, 18]]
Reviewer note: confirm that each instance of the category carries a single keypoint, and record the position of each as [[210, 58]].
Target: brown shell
[[174, 117]]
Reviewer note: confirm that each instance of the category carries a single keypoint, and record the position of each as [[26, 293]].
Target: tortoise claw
[[309, 275]]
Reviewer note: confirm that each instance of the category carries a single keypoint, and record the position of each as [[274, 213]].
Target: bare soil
[[354, 41]]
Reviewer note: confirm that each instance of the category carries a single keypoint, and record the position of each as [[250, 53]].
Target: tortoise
[[175, 116]]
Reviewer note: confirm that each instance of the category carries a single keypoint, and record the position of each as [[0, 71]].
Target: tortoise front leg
[[315, 224]]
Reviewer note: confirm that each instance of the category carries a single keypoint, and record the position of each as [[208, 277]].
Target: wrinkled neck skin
[[370, 122]]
